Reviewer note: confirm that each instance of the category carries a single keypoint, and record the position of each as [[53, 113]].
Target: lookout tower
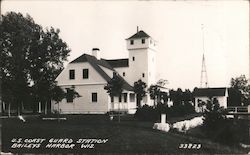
[[142, 51], [142, 59]]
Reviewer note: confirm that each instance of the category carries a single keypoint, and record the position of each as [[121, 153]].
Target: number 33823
[[189, 146]]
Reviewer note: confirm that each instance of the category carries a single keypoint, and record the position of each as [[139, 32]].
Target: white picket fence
[[238, 109]]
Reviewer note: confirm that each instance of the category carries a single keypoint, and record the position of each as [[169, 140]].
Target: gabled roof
[[102, 62], [209, 92], [94, 63], [126, 85], [86, 58], [118, 63], [140, 34]]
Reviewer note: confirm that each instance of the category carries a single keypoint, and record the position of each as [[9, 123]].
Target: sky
[[175, 25]]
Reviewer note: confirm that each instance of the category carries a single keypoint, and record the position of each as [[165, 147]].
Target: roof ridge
[[213, 88], [116, 59]]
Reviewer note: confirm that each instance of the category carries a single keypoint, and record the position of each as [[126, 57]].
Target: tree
[[176, 96], [31, 59], [139, 89], [201, 105], [154, 92], [164, 96], [212, 117], [217, 127], [114, 88], [240, 86], [58, 94], [234, 97]]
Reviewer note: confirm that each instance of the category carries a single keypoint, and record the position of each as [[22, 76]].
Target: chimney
[[137, 30], [96, 53]]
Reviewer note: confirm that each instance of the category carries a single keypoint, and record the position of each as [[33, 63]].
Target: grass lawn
[[128, 136]]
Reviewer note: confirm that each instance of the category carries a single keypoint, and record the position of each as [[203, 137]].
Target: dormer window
[[131, 42], [143, 41]]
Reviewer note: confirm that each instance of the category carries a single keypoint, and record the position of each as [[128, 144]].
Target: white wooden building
[[205, 94], [88, 74]]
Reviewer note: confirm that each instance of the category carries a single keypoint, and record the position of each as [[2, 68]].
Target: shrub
[[150, 113], [218, 128], [146, 113], [181, 110]]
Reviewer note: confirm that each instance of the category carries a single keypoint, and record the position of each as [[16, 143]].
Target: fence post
[[163, 118]]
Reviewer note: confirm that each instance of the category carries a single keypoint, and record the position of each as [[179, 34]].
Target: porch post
[[4, 106], [128, 101], [39, 107], [9, 109], [45, 108]]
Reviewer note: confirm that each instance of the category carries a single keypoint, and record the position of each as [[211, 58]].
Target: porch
[[125, 103]]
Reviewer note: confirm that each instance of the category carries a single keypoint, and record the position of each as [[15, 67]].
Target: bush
[[150, 113], [146, 113], [218, 128], [181, 110], [229, 132]]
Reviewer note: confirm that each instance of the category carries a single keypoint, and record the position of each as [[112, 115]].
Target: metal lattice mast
[[204, 79]]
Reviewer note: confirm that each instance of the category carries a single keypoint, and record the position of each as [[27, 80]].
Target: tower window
[[133, 58], [131, 42], [71, 74], [123, 73], [85, 73], [143, 75], [143, 41], [94, 97]]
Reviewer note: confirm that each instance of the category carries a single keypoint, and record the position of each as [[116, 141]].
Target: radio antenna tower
[[204, 79]]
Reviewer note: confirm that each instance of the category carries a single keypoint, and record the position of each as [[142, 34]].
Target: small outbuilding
[[202, 95]]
